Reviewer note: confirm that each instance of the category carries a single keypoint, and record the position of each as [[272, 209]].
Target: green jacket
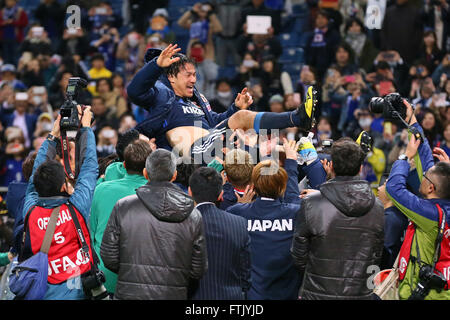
[[114, 171], [4, 260], [422, 212], [105, 197]]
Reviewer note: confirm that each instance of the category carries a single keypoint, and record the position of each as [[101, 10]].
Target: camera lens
[[376, 105]]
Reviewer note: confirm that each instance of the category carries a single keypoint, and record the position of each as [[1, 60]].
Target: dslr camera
[[428, 280], [391, 106], [393, 109], [69, 112], [93, 284]]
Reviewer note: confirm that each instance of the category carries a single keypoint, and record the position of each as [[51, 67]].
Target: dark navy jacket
[[30, 120], [227, 241], [151, 90], [271, 226]]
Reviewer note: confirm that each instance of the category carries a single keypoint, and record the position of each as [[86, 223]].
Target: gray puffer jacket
[[154, 241], [339, 233]]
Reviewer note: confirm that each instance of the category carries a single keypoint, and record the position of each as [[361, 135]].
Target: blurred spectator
[[8, 75], [119, 85], [50, 14], [159, 24], [207, 69], [74, 42], [141, 10], [97, 71], [102, 14], [430, 52], [131, 51], [6, 98], [32, 75], [248, 70], [36, 42], [360, 42], [202, 23], [321, 44], [435, 16], [345, 60], [271, 76], [48, 68], [258, 8], [13, 20], [15, 152], [126, 122], [352, 9], [442, 72], [106, 141], [431, 128], [44, 126], [228, 13], [324, 132], [103, 115], [424, 93], [402, 30], [331, 8], [113, 101], [276, 103], [445, 142], [308, 77], [106, 43], [259, 45], [390, 67], [223, 97], [20, 118]]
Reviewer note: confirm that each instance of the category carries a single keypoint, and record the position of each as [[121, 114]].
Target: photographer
[[48, 188], [418, 262], [202, 23]]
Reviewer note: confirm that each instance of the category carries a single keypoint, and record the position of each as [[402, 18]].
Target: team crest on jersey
[[206, 102]]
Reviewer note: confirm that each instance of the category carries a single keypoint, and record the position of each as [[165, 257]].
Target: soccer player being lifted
[[181, 118]]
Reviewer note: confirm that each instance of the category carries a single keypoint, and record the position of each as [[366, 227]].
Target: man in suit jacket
[[227, 241]]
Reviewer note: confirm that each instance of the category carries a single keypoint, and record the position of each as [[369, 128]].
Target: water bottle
[[306, 153]]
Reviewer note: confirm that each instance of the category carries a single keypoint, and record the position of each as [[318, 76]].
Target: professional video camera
[[69, 112], [393, 109], [70, 122]]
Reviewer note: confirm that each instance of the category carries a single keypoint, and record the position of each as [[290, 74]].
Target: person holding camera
[[424, 259], [47, 189]]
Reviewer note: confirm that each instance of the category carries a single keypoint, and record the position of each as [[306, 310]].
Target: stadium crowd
[[310, 229]]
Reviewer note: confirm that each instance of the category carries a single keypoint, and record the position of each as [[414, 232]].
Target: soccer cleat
[[365, 142], [307, 109]]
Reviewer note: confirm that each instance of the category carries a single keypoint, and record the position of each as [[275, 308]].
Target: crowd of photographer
[[329, 217]]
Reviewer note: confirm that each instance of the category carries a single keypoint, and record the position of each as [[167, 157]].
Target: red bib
[[443, 263], [65, 259]]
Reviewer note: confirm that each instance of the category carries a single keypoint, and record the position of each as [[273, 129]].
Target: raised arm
[[142, 90]]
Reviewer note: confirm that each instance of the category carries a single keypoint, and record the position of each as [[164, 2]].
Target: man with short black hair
[[425, 213], [339, 231], [227, 240], [108, 193], [47, 189], [154, 240]]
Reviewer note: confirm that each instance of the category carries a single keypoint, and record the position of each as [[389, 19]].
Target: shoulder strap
[[440, 236], [81, 237], [50, 230]]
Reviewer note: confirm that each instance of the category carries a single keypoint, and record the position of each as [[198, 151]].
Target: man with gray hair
[[154, 240]]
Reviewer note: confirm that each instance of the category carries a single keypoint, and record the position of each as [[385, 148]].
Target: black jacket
[[339, 233], [154, 241]]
